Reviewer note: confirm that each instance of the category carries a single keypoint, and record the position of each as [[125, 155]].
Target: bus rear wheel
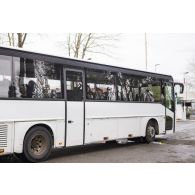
[[150, 132], [37, 144]]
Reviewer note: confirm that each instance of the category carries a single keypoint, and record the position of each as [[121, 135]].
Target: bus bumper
[[3, 152]]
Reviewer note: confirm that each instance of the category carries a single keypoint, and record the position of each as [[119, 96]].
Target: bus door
[[74, 107], [169, 106]]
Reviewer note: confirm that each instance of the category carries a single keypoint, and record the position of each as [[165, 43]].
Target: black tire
[[111, 142], [150, 132], [37, 144], [138, 140]]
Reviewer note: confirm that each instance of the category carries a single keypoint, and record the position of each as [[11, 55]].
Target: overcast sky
[[173, 51]]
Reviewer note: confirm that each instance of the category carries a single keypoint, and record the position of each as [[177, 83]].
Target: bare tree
[[13, 39], [80, 44], [18, 38], [21, 39]]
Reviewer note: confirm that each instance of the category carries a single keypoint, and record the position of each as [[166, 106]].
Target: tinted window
[[127, 87], [36, 79], [5, 76], [169, 98], [138, 89], [74, 86], [150, 90], [100, 85]]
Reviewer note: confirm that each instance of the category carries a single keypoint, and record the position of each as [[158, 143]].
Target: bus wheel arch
[[156, 125], [49, 129], [38, 143], [152, 129]]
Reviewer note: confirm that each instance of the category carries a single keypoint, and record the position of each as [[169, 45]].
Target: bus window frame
[[65, 69]]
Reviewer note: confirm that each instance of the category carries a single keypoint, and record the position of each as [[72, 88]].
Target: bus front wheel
[[150, 132], [37, 144]]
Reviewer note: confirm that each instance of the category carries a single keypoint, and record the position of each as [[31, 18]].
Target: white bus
[[52, 102]]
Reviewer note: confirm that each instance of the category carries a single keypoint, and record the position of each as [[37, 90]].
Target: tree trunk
[[86, 45], [21, 39], [11, 39], [77, 44]]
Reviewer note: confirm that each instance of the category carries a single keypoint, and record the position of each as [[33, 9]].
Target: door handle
[[69, 122]]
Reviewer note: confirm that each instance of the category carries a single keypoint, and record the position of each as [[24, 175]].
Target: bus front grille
[[3, 135]]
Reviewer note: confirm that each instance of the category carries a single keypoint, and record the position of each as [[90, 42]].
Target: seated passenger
[[90, 94], [148, 97], [99, 94], [30, 89], [130, 96], [112, 95], [108, 94], [53, 94]]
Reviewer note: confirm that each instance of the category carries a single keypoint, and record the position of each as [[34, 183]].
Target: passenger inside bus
[[90, 94], [148, 96], [30, 88]]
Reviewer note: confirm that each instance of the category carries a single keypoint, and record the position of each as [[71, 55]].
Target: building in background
[[185, 106]]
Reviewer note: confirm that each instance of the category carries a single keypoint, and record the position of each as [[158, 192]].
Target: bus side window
[[5, 77], [37, 79], [74, 86], [150, 90], [127, 87], [100, 85]]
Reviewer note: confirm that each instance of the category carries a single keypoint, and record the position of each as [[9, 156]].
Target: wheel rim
[[38, 145], [151, 131]]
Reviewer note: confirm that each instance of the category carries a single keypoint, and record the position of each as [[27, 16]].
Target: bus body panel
[[25, 113], [120, 120], [170, 120], [75, 123], [31, 110], [99, 130], [122, 110]]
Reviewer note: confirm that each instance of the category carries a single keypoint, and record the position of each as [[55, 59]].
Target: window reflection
[[74, 86], [100, 85], [169, 98], [5, 76], [39, 79], [150, 90], [127, 87], [104, 85], [36, 79]]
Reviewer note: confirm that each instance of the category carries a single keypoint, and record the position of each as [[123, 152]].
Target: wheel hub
[[151, 131], [38, 145]]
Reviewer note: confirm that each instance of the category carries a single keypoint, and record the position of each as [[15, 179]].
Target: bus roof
[[73, 62]]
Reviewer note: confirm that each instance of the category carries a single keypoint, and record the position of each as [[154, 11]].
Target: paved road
[[178, 147]]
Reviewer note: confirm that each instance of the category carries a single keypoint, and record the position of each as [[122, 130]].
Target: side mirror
[[181, 85]]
